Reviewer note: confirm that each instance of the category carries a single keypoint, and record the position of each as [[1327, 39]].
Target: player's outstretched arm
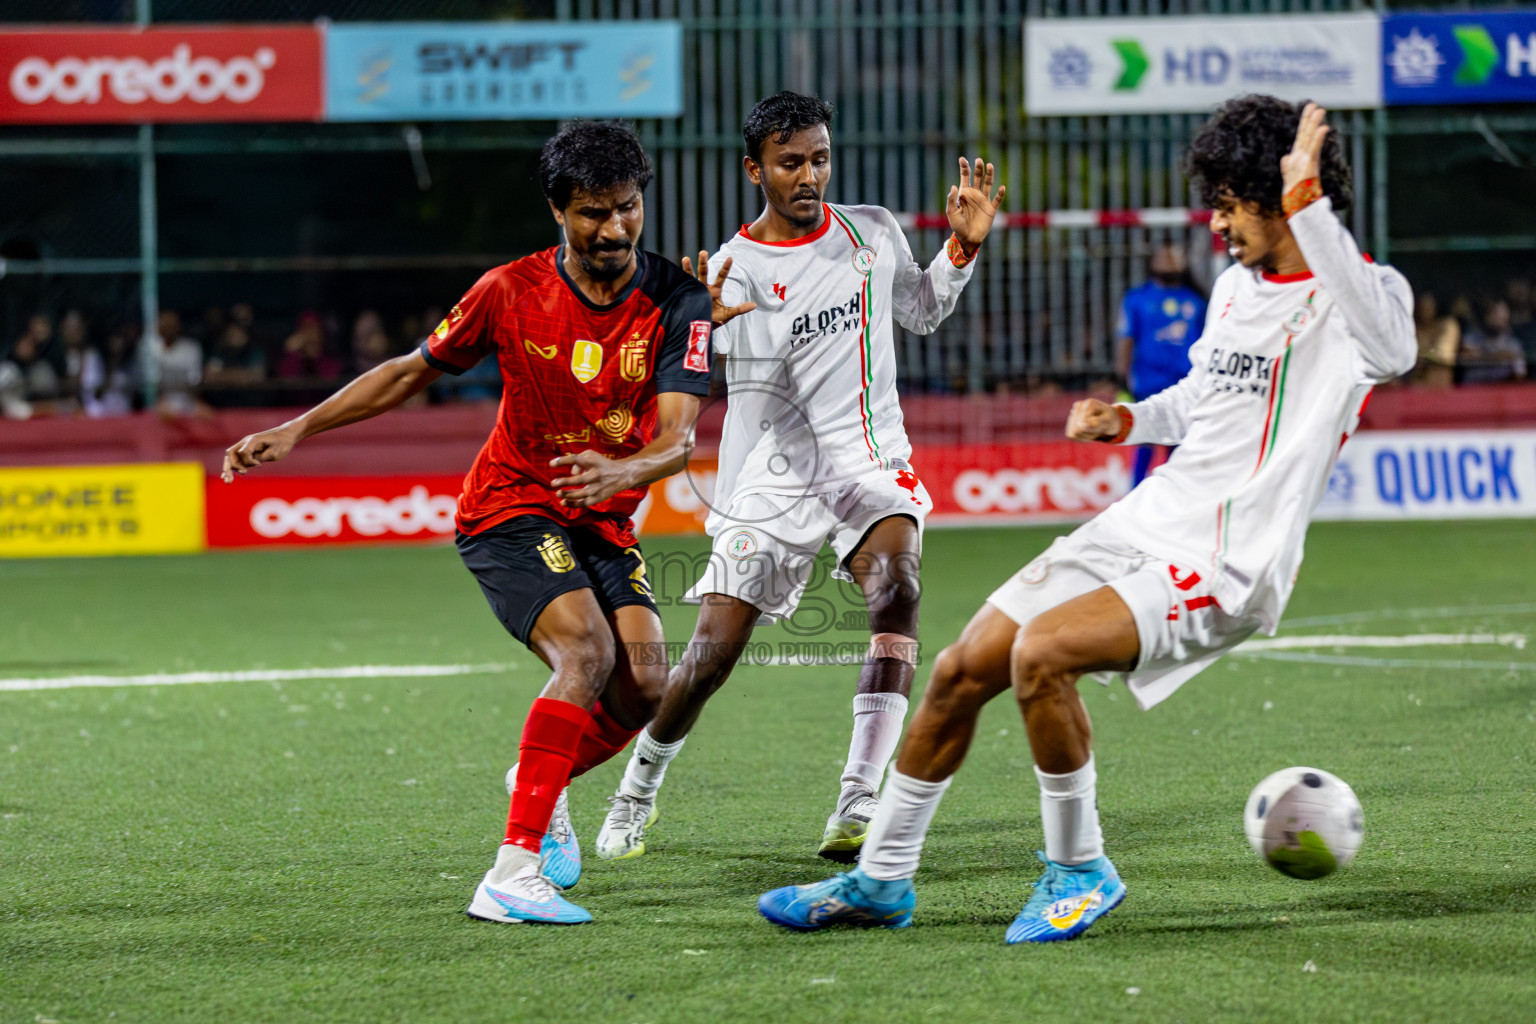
[[596, 478], [972, 206], [379, 390], [1377, 303], [1093, 420], [720, 313]]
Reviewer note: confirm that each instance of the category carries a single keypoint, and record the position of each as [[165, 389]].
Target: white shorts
[[765, 551], [1181, 628]]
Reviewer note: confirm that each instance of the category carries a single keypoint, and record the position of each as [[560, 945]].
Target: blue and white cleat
[[840, 900], [559, 853], [1067, 900], [525, 896]]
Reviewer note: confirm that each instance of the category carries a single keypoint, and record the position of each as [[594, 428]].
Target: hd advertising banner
[[127, 75], [1143, 65], [503, 70], [1466, 57]]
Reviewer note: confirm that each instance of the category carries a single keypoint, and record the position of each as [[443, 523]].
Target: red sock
[[603, 738], [551, 735]]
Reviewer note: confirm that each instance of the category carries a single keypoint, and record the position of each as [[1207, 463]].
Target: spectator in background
[[236, 366], [304, 353], [370, 344], [74, 342], [1492, 355], [34, 357], [179, 359], [1522, 316], [1159, 320], [107, 380], [1439, 339]]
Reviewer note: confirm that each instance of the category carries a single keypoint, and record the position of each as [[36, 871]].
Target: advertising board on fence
[[1434, 474], [1465, 57], [143, 509], [501, 70], [1134, 65], [330, 510], [129, 75]]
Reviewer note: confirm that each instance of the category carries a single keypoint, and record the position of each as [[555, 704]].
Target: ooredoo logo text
[[171, 79], [404, 516]]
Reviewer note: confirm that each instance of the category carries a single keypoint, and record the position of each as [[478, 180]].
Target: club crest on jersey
[[864, 259], [743, 544], [586, 360], [697, 359], [555, 554], [1298, 320], [632, 359]]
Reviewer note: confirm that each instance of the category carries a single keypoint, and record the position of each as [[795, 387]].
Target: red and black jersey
[[575, 376]]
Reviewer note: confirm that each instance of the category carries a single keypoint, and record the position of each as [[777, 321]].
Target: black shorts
[[527, 562]]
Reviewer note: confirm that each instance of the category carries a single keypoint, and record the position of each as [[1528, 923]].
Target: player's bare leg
[[885, 566], [724, 626]]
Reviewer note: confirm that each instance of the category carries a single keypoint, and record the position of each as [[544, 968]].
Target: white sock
[[1069, 810], [894, 843], [877, 719], [510, 859], [647, 765]]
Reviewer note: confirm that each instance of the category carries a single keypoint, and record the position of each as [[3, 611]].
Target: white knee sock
[[877, 719], [894, 843], [1069, 810], [648, 764]]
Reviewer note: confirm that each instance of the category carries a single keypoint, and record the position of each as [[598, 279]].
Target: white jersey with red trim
[[812, 371], [1278, 381]]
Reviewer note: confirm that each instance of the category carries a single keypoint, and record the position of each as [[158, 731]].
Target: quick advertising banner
[[1465, 57], [129, 75], [503, 70], [255, 511], [1143, 65], [148, 509], [1434, 474]]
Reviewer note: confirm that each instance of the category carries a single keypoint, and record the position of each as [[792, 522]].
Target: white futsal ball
[[1304, 822]]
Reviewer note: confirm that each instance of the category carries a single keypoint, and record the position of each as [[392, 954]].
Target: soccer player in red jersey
[[604, 354]]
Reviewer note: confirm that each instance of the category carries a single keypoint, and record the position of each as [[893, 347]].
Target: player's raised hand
[[1305, 158], [1093, 420], [972, 206], [721, 313], [596, 479], [254, 449]]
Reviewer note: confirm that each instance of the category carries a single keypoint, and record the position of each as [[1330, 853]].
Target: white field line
[[253, 676], [1285, 643], [1313, 658], [1383, 614]]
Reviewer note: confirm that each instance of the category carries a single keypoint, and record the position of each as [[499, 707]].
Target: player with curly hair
[[1192, 562]]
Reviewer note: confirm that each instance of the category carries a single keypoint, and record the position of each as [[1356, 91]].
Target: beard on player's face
[[799, 203], [605, 261]]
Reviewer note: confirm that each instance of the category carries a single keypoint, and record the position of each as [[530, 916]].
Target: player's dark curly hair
[[592, 157], [1239, 150], [780, 116]]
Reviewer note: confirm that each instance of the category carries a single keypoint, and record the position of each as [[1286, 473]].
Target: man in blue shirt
[[1159, 320]]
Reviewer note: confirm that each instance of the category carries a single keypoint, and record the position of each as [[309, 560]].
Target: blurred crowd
[[224, 358], [1476, 339]]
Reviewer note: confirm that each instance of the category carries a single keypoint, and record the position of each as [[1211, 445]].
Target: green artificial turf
[[303, 851]]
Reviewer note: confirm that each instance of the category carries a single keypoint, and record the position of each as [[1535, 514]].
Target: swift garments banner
[[128, 75]]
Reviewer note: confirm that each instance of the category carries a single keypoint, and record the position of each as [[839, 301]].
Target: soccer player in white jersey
[[813, 449], [1195, 559]]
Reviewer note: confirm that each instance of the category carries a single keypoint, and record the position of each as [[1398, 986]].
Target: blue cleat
[[1067, 900], [559, 853], [841, 899]]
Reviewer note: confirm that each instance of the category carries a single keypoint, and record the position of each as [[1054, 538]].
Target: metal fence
[[917, 83]]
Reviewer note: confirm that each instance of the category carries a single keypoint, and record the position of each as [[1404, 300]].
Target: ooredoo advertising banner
[[1145, 65], [330, 510], [143, 509], [128, 75], [401, 71]]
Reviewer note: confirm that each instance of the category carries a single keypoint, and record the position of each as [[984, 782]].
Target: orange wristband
[[1302, 195], [956, 252], [1127, 421]]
